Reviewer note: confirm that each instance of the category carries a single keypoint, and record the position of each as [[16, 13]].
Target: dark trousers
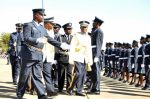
[[78, 78], [64, 69], [15, 66], [147, 76], [33, 68], [54, 74], [95, 82], [47, 67]]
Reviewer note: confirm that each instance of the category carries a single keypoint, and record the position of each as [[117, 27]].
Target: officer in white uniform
[[80, 55]]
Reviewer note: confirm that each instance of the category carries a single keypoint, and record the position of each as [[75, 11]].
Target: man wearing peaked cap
[[19, 25], [97, 41], [84, 23], [98, 20], [56, 29], [40, 11], [48, 58], [80, 55], [35, 36], [48, 23], [147, 36], [13, 52], [147, 63], [67, 26], [56, 25]]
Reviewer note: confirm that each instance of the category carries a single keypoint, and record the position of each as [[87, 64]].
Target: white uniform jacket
[[80, 49], [49, 50]]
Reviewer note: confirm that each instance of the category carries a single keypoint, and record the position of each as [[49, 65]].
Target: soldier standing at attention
[[13, 48], [80, 55], [97, 41]]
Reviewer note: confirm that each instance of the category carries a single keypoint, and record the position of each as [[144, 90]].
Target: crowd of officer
[[40, 52], [129, 63]]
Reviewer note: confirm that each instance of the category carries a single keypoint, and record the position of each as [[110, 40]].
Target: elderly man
[[80, 55]]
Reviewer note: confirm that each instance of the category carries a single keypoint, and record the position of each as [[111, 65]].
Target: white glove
[[96, 59], [41, 40], [65, 46], [132, 65], [142, 65], [54, 62]]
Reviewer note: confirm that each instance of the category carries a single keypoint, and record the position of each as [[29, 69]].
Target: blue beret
[[98, 20], [67, 25]]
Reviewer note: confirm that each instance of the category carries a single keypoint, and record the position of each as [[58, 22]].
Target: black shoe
[[79, 94], [55, 85], [19, 97], [124, 81], [94, 92], [43, 97], [137, 85], [14, 83], [146, 88], [52, 94], [69, 92]]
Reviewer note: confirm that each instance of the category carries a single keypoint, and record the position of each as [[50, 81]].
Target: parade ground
[[110, 88]]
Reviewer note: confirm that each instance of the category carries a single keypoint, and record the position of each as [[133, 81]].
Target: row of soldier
[[128, 62], [42, 49]]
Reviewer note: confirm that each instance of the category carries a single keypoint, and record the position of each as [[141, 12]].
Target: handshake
[[65, 46], [41, 40]]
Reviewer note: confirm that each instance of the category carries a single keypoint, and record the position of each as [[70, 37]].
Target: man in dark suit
[[35, 36], [97, 41], [64, 68], [13, 52]]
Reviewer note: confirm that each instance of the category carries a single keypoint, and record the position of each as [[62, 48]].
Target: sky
[[124, 20]]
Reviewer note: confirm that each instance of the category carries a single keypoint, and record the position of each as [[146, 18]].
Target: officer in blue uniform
[[97, 41], [64, 68], [147, 63], [56, 29], [35, 36], [13, 51]]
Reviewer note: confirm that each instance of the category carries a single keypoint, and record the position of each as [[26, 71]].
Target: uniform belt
[[32, 47], [139, 55], [146, 55], [94, 46], [131, 56], [120, 58], [113, 54], [125, 58], [64, 53], [116, 56]]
